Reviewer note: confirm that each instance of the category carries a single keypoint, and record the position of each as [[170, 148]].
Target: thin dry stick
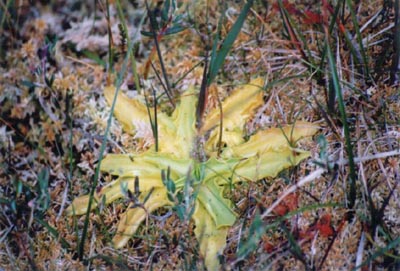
[[395, 70], [363, 178], [374, 148], [361, 171], [372, 157], [317, 173], [314, 175], [360, 250], [63, 202]]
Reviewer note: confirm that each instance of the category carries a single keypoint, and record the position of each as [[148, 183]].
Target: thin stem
[[164, 71]]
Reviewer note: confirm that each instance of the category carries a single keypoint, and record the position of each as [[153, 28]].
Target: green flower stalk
[[263, 155]]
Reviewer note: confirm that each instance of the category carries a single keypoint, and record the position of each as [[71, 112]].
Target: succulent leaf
[[272, 139], [212, 239], [112, 191], [218, 207], [121, 164], [265, 154], [237, 107], [268, 164], [135, 215], [184, 120]]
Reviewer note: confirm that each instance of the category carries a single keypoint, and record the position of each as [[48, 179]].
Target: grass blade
[[218, 59], [215, 41], [295, 35], [361, 50], [342, 109], [380, 251], [119, 80]]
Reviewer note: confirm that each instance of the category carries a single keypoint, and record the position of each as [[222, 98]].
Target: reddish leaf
[[291, 9], [280, 210], [268, 247], [324, 226], [311, 17], [288, 204]]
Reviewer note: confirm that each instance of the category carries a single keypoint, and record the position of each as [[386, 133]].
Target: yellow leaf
[[113, 191], [237, 107], [181, 138], [219, 208], [212, 239], [229, 138], [126, 110], [268, 164], [135, 215], [150, 162], [132, 111], [265, 154], [79, 205], [272, 139]]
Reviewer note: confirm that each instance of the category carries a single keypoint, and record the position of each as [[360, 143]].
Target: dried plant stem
[[314, 175], [395, 72], [317, 173], [164, 71]]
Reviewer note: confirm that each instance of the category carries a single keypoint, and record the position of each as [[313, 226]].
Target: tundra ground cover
[[331, 63]]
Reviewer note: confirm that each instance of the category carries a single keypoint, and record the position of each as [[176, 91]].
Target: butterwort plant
[[172, 166]]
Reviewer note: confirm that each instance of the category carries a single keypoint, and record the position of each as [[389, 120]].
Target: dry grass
[[53, 65]]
